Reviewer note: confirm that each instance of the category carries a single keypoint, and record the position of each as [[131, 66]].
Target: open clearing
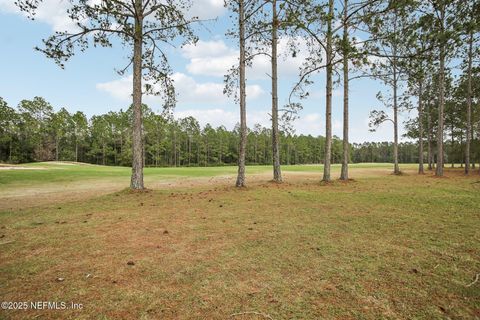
[[379, 247]]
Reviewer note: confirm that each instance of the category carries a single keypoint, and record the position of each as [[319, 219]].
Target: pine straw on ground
[[381, 246]]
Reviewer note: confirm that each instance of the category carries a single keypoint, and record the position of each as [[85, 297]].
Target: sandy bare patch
[[52, 193], [67, 163], [20, 168]]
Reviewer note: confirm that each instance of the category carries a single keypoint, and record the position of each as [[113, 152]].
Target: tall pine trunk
[[420, 128], [137, 148], [243, 112], [329, 88], [469, 105], [441, 98], [396, 168], [441, 106], [429, 138], [277, 173], [346, 146]]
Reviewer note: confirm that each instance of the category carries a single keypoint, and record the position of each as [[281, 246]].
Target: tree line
[[35, 132], [411, 46]]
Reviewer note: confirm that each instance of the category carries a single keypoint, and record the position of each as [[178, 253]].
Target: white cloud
[[254, 91], [288, 66], [120, 89], [191, 91], [215, 58], [311, 123], [52, 12], [210, 58], [188, 89], [213, 48], [8, 6], [206, 9]]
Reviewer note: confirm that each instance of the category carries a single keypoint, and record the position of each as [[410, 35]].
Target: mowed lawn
[[378, 247]]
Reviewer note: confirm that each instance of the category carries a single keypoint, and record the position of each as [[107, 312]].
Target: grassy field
[[61, 172], [194, 247]]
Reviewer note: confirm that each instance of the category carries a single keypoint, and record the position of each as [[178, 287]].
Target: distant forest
[[34, 132]]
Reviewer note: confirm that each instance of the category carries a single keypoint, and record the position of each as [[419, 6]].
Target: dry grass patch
[[382, 247]]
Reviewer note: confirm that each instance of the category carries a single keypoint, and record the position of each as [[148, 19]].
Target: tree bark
[[137, 148], [396, 168], [143, 155], [346, 146], [329, 86], [243, 112], [277, 173], [420, 128], [441, 98], [469, 105], [429, 137]]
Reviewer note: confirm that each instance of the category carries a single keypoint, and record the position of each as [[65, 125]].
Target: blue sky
[[89, 82]]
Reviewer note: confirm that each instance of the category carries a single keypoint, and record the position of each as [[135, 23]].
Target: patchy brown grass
[[382, 247]]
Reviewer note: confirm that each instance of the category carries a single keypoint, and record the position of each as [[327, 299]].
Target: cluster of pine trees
[[461, 121], [35, 132], [411, 46]]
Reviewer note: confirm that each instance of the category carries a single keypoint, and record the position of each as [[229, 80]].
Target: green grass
[[52, 172], [382, 247]]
